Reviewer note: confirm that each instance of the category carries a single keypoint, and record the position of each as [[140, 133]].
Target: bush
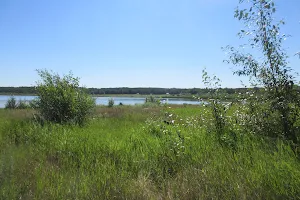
[[61, 100], [220, 119], [34, 104], [111, 102], [152, 100], [11, 103], [22, 104]]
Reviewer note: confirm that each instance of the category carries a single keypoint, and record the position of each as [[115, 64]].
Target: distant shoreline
[[115, 95], [17, 94], [157, 96]]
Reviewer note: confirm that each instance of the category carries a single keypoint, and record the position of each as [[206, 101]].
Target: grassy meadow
[[241, 143], [140, 152]]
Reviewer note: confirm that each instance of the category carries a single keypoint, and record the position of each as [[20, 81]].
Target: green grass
[[128, 152]]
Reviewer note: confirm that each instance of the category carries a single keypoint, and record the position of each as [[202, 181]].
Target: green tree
[[271, 69], [61, 100]]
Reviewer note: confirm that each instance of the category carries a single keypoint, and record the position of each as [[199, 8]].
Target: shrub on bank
[[61, 100], [12, 103], [111, 102], [22, 104]]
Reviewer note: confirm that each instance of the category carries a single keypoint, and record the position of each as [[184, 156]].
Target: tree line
[[130, 91]]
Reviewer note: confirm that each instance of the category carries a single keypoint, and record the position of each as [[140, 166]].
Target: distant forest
[[125, 90], [229, 93]]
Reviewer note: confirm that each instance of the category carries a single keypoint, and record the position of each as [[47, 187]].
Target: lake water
[[104, 100]]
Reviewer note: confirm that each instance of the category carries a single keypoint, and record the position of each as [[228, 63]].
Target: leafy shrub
[[278, 111], [11, 103], [34, 104], [22, 104], [61, 100], [111, 102], [152, 100], [220, 122]]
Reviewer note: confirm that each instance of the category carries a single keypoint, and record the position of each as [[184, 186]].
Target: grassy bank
[[140, 152]]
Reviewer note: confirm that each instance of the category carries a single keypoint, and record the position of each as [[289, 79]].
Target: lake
[[104, 100]]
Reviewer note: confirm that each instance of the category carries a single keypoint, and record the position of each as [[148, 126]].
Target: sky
[[127, 43]]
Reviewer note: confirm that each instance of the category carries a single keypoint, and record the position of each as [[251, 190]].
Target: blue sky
[[126, 43]]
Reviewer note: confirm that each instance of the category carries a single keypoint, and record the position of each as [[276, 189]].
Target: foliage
[[121, 156], [279, 106], [169, 152], [11, 103], [22, 104], [111, 102], [139, 92], [219, 110], [171, 141], [61, 99], [34, 104], [152, 100]]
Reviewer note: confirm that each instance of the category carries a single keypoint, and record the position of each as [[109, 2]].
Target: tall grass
[[129, 152]]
